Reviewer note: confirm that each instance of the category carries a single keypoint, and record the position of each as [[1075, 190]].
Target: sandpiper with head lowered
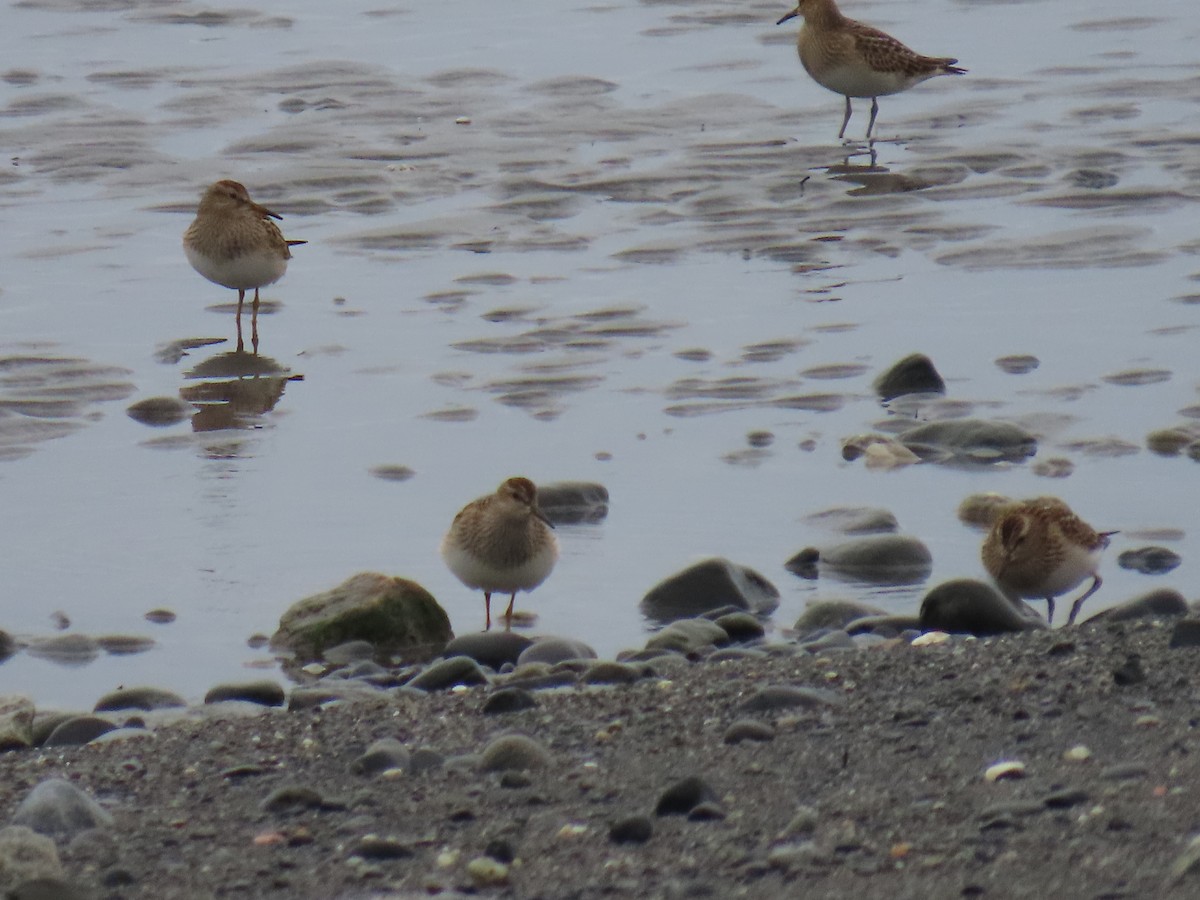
[[1040, 549], [856, 60], [233, 242], [501, 543]]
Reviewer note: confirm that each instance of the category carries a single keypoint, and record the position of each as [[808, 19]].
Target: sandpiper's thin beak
[[795, 12], [541, 515], [263, 211]]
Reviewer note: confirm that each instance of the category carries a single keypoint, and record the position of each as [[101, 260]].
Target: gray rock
[[383, 754], [706, 586], [16, 723], [888, 626], [1150, 560], [877, 559], [787, 696], [975, 440], [292, 798], [819, 642], [61, 810], [555, 650], [855, 520], [329, 691], [609, 672], [8, 645], [741, 626], [143, 698], [394, 614], [514, 752], [631, 830], [26, 856], [448, 673], [820, 614], [489, 648], [349, 652], [688, 636], [914, 374], [263, 693], [967, 606], [1186, 633], [508, 700], [683, 796], [77, 730], [573, 502], [748, 730], [373, 846], [1161, 603]]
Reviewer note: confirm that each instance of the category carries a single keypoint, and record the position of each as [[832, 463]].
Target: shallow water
[[570, 242]]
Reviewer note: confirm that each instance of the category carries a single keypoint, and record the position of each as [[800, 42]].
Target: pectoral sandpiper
[[856, 60], [1040, 548], [501, 543]]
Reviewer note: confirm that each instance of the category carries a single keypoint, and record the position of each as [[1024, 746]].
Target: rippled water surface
[[615, 242]]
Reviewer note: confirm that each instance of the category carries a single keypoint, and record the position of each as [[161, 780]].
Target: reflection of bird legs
[[254, 324]]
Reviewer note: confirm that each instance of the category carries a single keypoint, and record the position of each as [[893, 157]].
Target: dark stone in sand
[[709, 585], [1130, 672], [394, 614], [741, 626], [383, 754], [489, 648], [514, 752], [833, 614], [883, 626], [1186, 633], [554, 650], [145, 698], [632, 830], [684, 796], [78, 730], [1160, 603], [914, 374], [748, 730], [573, 502], [1066, 798], [373, 846], [609, 672], [1149, 560], [59, 809], [508, 700], [787, 696], [978, 440], [689, 636], [967, 606], [447, 673], [264, 693], [877, 559], [292, 798]]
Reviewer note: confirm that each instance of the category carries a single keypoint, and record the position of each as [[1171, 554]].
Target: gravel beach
[[849, 774]]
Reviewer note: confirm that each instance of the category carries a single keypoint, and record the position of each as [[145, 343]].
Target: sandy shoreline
[[871, 784]]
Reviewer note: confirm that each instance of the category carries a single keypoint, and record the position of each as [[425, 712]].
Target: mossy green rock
[[396, 615]]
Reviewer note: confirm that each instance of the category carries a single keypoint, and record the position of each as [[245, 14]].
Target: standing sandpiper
[[501, 543], [1040, 548], [856, 60], [233, 242]]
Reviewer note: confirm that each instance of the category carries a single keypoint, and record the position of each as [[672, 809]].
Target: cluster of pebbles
[[708, 763]]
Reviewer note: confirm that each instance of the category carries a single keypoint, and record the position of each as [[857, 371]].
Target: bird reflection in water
[[237, 389]]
